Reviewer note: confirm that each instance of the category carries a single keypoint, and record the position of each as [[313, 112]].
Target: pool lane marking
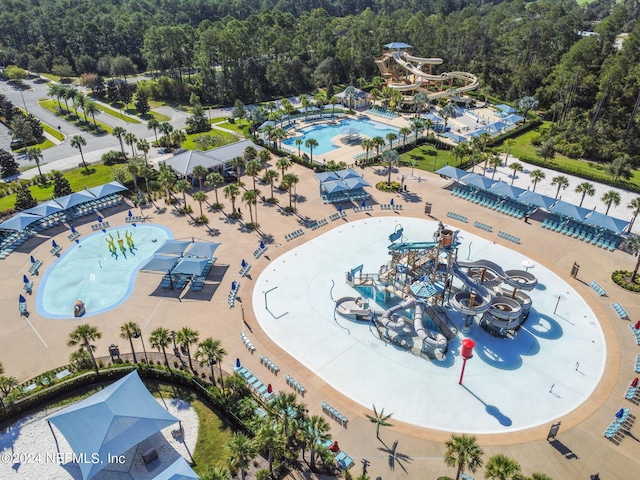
[[36, 332]]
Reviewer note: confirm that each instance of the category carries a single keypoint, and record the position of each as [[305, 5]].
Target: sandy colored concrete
[[32, 345]]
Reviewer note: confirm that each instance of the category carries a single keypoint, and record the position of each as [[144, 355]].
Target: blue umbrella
[[33, 260], [238, 362], [130, 214], [364, 203], [339, 208], [54, 244], [25, 279], [244, 264], [619, 413], [391, 202], [73, 229], [99, 219], [262, 245], [21, 299]]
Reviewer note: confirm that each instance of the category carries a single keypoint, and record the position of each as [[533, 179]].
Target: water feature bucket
[[446, 237]]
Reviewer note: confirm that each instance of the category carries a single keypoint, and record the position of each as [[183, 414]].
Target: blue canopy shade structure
[[613, 224], [342, 185], [190, 266], [570, 210], [19, 222], [111, 422], [173, 247], [495, 127], [201, 249], [397, 45], [359, 182], [513, 119], [477, 133], [537, 199], [452, 172], [327, 176], [45, 209], [74, 199], [455, 137], [506, 108], [506, 190], [160, 263], [107, 189], [334, 186], [477, 180], [178, 470]]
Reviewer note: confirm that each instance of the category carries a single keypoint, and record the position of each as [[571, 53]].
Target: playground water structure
[[88, 271], [506, 382], [406, 73], [325, 134]]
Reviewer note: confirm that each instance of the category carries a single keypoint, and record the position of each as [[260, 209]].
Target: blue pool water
[[325, 133], [87, 271]]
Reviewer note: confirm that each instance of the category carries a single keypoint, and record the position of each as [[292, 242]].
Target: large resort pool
[[89, 272], [325, 133]]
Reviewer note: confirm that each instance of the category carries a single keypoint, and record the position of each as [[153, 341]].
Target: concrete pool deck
[[32, 345]]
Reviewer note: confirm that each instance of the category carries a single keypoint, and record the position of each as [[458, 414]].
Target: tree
[[160, 338], [143, 146], [6, 385], [130, 139], [177, 138], [34, 154], [311, 143], [632, 244], [21, 130], [526, 104], [8, 165], [495, 161], [83, 335], [536, 175], [215, 473], [241, 451], [417, 126], [508, 143], [231, 191], [377, 142], [154, 124], [547, 150], [265, 157], [183, 186], [516, 167], [611, 198], [91, 108], [268, 438], [446, 113], [250, 197], [585, 188], [289, 181], [391, 158], [61, 185], [166, 178], [238, 163], [215, 180], [561, 181], [635, 206], [252, 169], [78, 141], [187, 337], [380, 419], [404, 132], [463, 452], [200, 197], [270, 176], [619, 168], [56, 90], [239, 110], [501, 467], [199, 172], [420, 99], [283, 164], [208, 353], [129, 331], [142, 102], [391, 137], [119, 133], [24, 198]]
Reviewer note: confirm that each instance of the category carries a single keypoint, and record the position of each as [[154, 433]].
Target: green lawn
[[241, 126], [78, 178], [74, 117], [116, 114], [54, 132], [220, 138], [426, 158]]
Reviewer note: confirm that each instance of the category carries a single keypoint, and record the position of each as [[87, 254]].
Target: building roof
[[184, 162]]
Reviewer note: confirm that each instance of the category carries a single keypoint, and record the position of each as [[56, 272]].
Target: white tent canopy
[[111, 422]]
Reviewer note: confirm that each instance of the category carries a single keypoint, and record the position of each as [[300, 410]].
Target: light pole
[[466, 353], [23, 102]]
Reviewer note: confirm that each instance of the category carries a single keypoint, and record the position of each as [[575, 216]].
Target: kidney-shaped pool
[[89, 272]]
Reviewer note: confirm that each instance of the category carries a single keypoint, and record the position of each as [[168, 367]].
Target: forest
[[223, 50]]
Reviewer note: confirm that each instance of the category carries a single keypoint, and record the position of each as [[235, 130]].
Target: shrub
[[202, 220], [622, 279], [392, 187], [113, 157]]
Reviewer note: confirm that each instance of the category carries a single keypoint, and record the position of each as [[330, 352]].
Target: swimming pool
[[87, 271], [325, 133]]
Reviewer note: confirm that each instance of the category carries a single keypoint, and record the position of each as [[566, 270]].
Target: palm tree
[[143, 146], [215, 473], [298, 142], [463, 452], [238, 163], [283, 164], [91, 108], [270, 176], [288, 182], [79, 102], [446, 113], [187, 337], [417, 125], [536, 175], [146, 172], [153, 124], [526, 104], [215, 180], [200, 197], [377, 142], [311, 143], [635, 205], [177, 138], [165, 129], [268, 438], [166, 178], [516, 167], [501, 467], [133, 167], [380, 419], [366, 145], [78, 141], [609, 198], [207, 354], [69, 93], [404, 132], [183, 186], [495, 162], [241, 451], [231, 191], [420, 99], [129, 331], [120, 132], [428, 125], [509, 142], [83, 335], [264, 156], [34, 154], [280, 134], [56, 90], [160, 338], [391, 158], [632, 244], [200, 173], [561, 181], [6, 385], [252, 169], [391, 137], [539, 476], [250, 197], [585, 188], [316, 431]]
